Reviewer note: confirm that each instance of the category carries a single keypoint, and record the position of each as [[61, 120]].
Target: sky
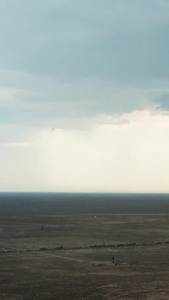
[[84, 96]]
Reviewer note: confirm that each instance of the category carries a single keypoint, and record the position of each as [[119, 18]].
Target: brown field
[[71, 258]]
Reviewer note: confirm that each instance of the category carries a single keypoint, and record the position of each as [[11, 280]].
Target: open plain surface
[[60, 246]]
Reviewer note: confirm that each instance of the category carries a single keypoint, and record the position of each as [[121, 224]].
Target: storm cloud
[[76, 67]]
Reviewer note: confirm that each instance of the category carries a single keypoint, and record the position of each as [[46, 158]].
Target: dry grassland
[[71, 258]]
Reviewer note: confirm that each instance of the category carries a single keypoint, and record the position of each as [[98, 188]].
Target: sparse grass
[[84, 273]]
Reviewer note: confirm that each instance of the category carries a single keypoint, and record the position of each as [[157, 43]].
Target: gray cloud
[[163, 102], [69, 59], [41, 101], [98, 69], [68, 40]]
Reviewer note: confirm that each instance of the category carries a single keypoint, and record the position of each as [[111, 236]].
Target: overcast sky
[[84, 95]]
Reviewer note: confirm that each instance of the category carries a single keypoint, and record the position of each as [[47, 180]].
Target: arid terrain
[[58, 246]]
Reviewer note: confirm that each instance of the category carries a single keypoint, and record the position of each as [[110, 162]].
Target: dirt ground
[[49, 255]]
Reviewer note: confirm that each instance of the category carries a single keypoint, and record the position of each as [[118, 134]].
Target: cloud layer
[[130, 157], [84, 95]]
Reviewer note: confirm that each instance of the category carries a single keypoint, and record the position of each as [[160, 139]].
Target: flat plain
[[60, 246]]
